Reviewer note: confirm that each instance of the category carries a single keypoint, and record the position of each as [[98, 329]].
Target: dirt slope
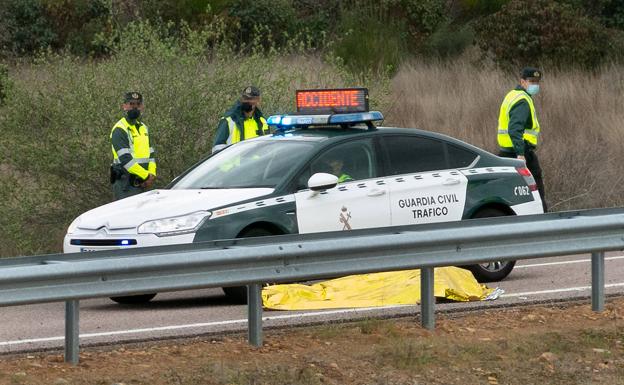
[[537, 345]]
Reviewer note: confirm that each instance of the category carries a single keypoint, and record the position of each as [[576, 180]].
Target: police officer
[[134, 167], [335, 166], [243, 121], [518, 127]]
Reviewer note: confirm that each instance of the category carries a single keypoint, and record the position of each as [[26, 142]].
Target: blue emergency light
[[291, 121]]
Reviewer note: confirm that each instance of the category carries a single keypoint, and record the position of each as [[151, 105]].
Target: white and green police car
[[326, 168]]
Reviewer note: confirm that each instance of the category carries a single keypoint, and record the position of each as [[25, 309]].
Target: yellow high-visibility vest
[[250, 127], [530, 135], [143, 163]]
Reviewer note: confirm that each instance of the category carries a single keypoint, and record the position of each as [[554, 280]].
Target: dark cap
[[133, 96], [531, 73], [250, 92]]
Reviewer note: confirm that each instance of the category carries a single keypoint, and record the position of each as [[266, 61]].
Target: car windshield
[[256, 163]]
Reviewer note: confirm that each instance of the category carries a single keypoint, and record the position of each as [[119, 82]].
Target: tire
[[238, 294], [134, 299], [493, 271]]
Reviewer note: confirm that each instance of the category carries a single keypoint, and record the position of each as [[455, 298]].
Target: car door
[[423, 189], [361, 201]]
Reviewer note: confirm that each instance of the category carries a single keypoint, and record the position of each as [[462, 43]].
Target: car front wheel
[[238, 294], [492, 271]]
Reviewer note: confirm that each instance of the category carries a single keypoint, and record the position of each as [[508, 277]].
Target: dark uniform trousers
[[124, 187], [533, 165]]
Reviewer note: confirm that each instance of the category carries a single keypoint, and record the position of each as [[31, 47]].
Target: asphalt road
[[200, 312]]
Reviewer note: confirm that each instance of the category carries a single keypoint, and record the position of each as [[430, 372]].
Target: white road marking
[[552, 291], [196, 325], [565, 262], [330, 312]]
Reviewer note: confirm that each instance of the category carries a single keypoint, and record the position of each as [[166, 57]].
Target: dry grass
[[538, 345], [581, 115]]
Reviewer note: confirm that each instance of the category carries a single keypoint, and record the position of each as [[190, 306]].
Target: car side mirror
[[322, 181]]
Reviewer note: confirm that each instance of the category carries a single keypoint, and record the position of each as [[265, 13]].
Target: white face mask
[[533, 89]]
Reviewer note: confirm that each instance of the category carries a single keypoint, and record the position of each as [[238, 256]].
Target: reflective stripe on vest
[[530, 135], [251, 129], [140, 150]]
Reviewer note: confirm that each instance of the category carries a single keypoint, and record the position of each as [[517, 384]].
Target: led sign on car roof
[[332, 101], [346, 106]]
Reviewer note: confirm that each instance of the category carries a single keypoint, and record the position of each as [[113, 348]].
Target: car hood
[[156, 204]]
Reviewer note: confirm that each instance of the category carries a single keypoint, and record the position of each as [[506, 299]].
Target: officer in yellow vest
[[243, 121], [518, 126], [335, 167], [134, 165]]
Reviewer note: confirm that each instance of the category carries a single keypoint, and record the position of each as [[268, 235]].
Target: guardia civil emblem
[[344, 218]]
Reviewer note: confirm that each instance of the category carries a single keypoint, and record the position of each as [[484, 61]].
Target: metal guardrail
[[71, 277]]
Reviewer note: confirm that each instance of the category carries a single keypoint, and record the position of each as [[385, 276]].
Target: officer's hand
[[521, 157], [149, 181]]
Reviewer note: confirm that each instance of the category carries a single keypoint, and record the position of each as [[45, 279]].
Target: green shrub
[[4, 83], [422, 16], [545, 32], [26, 27], [76, 22], [370, 39], [481, 7], [449, 41], [264, 23], [191, 11], [317, 21]]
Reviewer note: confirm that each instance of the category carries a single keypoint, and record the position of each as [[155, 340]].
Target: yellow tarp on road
[[378, 289]]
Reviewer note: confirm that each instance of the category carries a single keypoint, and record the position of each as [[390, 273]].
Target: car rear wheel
[[134, 299], [493, 271], [238, 294]]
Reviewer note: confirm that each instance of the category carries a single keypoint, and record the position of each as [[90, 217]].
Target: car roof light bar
[[291, 121]]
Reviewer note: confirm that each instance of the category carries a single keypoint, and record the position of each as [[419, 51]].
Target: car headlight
[[175, 225]]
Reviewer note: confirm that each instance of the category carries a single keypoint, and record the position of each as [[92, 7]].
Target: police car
[[328, 167]]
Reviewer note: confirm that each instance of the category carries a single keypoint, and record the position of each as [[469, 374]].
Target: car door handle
[[451, 182], [376, 192]]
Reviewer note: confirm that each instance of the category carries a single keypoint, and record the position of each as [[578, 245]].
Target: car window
[[255, 163], [459, 157], [353, 160], [412, 154]]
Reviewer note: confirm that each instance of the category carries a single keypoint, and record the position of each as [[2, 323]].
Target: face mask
[[247, 107], [533, 89], [133, 114]]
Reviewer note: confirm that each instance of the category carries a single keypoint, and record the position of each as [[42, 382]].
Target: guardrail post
[[72, 329], [427, 300], [598, 281], [254, 313]]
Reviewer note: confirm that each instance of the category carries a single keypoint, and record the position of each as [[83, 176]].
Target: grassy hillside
[[57, 108], [59, 113]]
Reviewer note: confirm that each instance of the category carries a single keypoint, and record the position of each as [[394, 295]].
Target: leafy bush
[[4, 83], [481, 7], [370, 39], [264, 22], [544, 32], [191, 11], [613, 14], [76, 22], [449, 41], [422, 16], [26, 27]]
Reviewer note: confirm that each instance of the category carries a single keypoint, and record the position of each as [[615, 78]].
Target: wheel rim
[[494, 266]]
